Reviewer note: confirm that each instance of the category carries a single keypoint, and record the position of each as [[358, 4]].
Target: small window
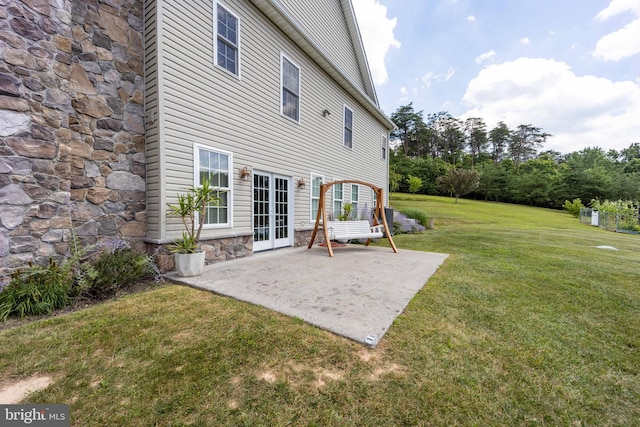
[[316, 182], [348, 127], [216, 166], [354, 201], [290, 105], [384, 146], [227, 46], [337, 200]]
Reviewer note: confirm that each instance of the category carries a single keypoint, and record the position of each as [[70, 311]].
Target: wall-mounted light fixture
[[301, 183], [326, 113], [245, 173]]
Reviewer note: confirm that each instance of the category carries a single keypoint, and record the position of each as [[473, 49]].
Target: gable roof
[[292, 27]]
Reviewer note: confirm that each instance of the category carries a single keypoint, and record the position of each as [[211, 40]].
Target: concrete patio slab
[[356, 294]]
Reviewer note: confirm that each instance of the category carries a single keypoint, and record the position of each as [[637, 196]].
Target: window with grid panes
[[216, 167]]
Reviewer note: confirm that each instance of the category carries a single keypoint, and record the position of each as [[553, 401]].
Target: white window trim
[[196, 174], [353, 120], [311, 198], [288, 58], [384, 146], [215, 38]]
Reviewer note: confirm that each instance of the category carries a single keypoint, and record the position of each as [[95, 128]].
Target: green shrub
[[622, 207], [417, 214], [573, 207], [415, 184], [35, 291], [111, 270]]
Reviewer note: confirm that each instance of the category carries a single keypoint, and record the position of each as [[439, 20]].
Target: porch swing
[[346, 230]]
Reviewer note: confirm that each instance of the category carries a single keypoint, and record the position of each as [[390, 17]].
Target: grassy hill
[[526, 323]]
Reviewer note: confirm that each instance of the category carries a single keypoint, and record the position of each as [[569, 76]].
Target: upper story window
[[385, 144], [290, 75], [216, 166], [348, 127], [227, 46]]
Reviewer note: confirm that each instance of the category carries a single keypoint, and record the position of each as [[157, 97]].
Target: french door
[[272, 211]]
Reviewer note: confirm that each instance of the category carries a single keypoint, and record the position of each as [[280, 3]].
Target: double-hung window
[[316, 182], [215, 166], [290, 75], [227, 46], [337, 200], [348, 127], [354, 201]]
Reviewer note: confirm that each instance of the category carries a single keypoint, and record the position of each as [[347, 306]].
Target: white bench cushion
[[346, 230]]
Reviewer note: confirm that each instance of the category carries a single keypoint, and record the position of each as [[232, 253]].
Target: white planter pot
[[189, 265]]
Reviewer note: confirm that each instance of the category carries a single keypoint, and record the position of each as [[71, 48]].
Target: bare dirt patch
[[12, 392], [268, 376], [390, 368], [367, 355]]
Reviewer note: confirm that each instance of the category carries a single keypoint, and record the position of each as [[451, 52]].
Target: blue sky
[[570, 67]]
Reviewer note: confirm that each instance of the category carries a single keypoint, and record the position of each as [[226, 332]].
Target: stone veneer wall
[[71, 125]]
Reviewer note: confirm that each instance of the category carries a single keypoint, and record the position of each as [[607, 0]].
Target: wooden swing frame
[[322, 213]]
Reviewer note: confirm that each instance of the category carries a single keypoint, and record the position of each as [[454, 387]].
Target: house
[[110, 108], [268, 99]]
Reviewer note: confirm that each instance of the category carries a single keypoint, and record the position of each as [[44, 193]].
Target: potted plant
[[346, 212], [191, 208]]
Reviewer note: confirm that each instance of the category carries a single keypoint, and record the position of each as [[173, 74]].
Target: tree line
[[509, 164]]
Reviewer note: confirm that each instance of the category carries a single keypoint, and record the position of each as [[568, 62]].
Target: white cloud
[[617, 7], [525, 40], [552, 33], [487, 56], [579, 111], [620, 44], [432, 77], [471, 18], [377, 35], [624, 42], [403, 90]]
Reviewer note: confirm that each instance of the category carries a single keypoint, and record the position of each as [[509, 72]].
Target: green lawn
[[526, 323]]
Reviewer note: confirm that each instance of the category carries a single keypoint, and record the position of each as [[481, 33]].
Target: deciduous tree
[[460, 181]]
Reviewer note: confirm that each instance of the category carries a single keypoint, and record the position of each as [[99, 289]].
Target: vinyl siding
[[203, 104], [330, 33]]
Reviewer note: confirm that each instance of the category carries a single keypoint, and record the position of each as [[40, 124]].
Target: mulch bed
[[334, 244]]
